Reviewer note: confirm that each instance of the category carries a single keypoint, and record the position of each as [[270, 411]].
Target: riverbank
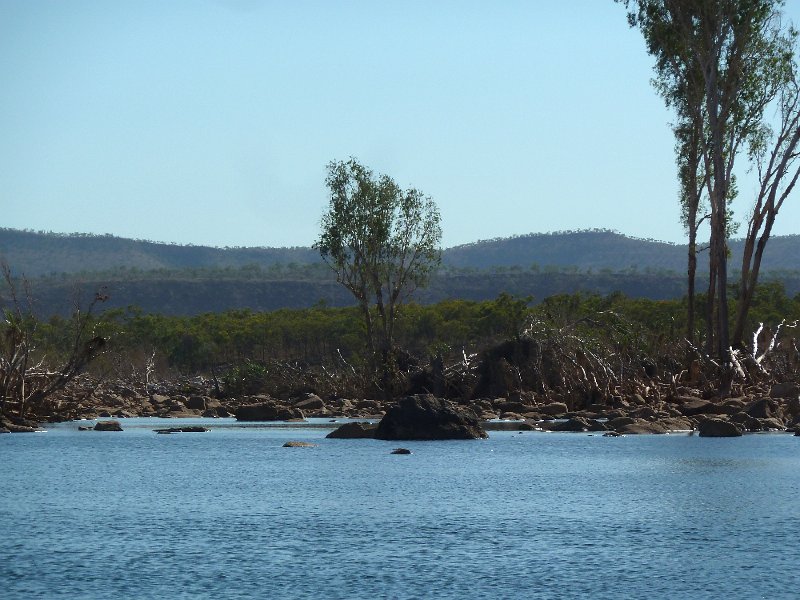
[[776, 408]]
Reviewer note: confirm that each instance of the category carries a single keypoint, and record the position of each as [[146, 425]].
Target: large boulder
[[642, 427], [267, 411], [425, 417], [764, 408], [354, 431], [309, 402], [196, 403], [750, 423], [719, 428], [108, 426]]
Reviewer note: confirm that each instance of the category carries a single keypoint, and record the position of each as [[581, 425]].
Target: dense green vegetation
[[245, 345]]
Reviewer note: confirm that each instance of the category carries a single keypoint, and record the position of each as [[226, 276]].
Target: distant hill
[[172, 279], [603, 249], [37, 253]]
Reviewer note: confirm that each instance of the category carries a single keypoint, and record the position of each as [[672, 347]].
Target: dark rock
[[108, 426], [699, 407], [14, 424], [187, 429], [299, 445], [553, 409], [425, 417], [310, 402], [637, 400], [764, 408], [508, 426], [612, 434], [511, 407], [354, 431], [787, 389], [618, 422], [267, 411], [719, 428], [749, 423], [370, 406], [577, 424], [400, 451], [676, 424], [196, 403], [648, 413], [640, 426], [793, 408], [772, 424]]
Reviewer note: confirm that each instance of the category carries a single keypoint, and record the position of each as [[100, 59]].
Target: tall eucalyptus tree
[[721, 64]]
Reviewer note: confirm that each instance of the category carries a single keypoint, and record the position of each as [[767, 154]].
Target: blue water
[[233, 514]]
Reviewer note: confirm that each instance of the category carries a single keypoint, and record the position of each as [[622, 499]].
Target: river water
[[232, 514]]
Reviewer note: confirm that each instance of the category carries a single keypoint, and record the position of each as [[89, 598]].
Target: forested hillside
[[190, 296], [37, 253], [189, 280]]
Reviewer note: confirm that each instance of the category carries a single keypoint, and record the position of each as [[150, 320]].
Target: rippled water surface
[[233, 514]]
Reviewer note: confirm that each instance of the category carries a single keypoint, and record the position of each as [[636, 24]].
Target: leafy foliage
[[382, 243]]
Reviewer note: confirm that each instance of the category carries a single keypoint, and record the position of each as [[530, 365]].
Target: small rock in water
[[612, 434], [188, 429], [401, 451], [108, 426], [299, 445]]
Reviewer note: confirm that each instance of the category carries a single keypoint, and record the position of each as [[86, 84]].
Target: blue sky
[[211, 121]]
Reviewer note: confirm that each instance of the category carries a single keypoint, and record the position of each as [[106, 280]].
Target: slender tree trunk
[[751, 265], [370, 329], [692, 275], [711, 301], [719, 214]]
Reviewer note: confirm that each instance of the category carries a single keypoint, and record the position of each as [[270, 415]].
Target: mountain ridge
[[39, 253]]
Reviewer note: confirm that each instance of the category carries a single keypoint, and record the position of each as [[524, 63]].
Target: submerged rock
[[576, 424], [400, 451], [299, 445], [425, 417], [188, 429]]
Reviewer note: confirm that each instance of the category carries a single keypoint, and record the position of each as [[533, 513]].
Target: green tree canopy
[[381, 241]]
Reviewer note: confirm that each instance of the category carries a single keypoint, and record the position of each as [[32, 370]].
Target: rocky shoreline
[[773, 409]]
